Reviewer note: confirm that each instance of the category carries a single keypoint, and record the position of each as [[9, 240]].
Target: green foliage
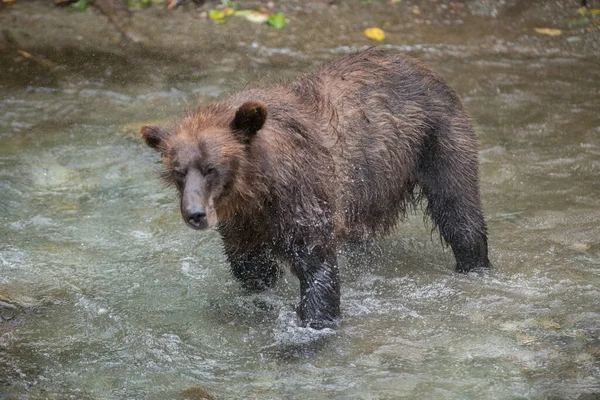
[[220, 16], [142, 3], [80, 5], [242, 13], [231, 4], [277, 20], [216, 14]]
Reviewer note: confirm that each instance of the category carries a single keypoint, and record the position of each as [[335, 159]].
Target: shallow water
[[104, 293]]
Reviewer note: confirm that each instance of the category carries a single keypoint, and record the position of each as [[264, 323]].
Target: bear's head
[[206, 156]]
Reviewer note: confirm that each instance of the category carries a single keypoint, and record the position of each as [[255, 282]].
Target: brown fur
[[330, 159]]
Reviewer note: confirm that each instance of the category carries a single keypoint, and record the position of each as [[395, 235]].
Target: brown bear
[[293, 172]]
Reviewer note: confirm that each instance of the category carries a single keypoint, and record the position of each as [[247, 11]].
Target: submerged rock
[[196, 393]]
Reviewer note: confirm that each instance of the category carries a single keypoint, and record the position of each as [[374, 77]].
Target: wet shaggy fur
[[293, 172]]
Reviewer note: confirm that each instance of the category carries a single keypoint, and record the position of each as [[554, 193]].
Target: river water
[[105, 294]]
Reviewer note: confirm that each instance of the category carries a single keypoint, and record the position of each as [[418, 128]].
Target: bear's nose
[[196, 217]]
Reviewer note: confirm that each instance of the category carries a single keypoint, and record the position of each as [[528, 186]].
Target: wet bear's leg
[[449, 177], [256, 270], [319, 286]]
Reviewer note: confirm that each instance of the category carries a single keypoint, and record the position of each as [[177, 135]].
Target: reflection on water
[[105, 294]]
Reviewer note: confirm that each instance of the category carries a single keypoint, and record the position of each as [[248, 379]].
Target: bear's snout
[[195, 217], [192, 200]]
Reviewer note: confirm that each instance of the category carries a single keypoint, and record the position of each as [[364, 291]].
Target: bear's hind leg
[[256, 271], [449, 177]]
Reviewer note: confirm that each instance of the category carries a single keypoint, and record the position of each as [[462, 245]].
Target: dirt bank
[[41, 43]]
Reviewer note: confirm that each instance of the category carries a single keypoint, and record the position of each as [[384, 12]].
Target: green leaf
[[80, 5], [579, 23], [242, 13], [232, 4], [277, 20], [216, 14], [138, 3]]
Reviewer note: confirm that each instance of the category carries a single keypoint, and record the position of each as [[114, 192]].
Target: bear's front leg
[[256, 270], [319, 287]]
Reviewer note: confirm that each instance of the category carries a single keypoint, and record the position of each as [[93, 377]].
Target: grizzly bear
[[293, 172]]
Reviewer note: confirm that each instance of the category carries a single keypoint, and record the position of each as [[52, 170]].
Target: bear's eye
[[209, 171]]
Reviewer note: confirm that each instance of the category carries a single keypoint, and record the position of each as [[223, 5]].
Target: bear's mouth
[[200, 218], [211, 216]]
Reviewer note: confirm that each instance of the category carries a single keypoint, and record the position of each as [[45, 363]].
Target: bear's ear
[[154, 136], [249, 118]]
